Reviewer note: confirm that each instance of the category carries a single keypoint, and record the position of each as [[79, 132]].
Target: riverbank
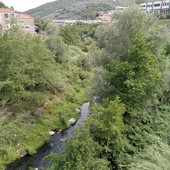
[[33, 134], [54, 145], [38, 133]]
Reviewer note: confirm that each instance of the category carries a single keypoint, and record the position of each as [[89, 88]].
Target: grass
[[22, 132]]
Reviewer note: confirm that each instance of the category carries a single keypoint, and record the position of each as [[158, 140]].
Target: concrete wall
[[27, 25]]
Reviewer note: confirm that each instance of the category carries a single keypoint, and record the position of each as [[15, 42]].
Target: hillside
[[75, 9], [2, 5]]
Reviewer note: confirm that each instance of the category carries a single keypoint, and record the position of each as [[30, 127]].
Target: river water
[[55, 145]]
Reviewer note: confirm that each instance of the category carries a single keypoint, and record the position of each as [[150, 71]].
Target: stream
[[55, 145]]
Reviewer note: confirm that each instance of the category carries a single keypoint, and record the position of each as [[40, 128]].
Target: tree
[[70, 34], [108, 129], [138, 79], [52, 29], [41, 23], [56, 44], [81, 153], [26, 62], [133, 49], [156, 157], [117, 38]]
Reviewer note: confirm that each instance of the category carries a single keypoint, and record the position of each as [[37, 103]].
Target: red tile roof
[[23, 16], [3, 10]]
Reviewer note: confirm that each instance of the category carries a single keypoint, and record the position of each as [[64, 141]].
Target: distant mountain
[[75, 9]]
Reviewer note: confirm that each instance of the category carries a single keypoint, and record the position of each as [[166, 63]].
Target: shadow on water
[[55, 145]]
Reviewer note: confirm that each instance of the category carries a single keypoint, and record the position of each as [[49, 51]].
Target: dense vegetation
[[75, 9], [44, 79], [128, 127], [42, 82]]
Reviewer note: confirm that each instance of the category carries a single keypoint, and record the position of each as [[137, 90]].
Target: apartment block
[[157, 7]]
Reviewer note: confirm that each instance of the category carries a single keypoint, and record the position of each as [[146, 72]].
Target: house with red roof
[[5, 15], [24, 21]]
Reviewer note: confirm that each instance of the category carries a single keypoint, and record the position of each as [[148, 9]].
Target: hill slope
[[2, 5], [75, 9]]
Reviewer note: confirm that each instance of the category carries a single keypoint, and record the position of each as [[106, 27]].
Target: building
[[109, 17], [105, 18], [157, 7], [71, 22], [25, 22], [5, 16]]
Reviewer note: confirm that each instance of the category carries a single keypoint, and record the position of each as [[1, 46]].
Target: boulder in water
[[78, 110], [72, 121], [51, 133]]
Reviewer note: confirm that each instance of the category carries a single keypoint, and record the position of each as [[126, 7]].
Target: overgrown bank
[[43, 80], [131, 82], [130, 65]]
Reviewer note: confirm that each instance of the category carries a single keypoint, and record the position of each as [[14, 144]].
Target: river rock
[[78, 110], [51, 133], [72, 121]]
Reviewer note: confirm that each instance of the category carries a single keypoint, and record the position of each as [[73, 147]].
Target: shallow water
[[55, 145]]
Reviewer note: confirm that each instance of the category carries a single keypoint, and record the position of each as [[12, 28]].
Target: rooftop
[[23, 16], [2, 10]]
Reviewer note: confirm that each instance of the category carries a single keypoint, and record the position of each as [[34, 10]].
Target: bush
[[168, 16]]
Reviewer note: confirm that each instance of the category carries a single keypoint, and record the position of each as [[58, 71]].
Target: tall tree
[[132, 58], [81, 153]]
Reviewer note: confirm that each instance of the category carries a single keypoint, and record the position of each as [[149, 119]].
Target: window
[[149, 5], [6, 15], [156, 5], [165, 4], [27, 27]]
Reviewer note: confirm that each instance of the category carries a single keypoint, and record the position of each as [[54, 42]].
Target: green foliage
[[81, 153], [41, 23], [81, 35], [156, 156], [62, 120], [26, 65], [70, 35], [140, 1], [131, 65], [116, 39], [133, 58], [56, 44], [139, 78], [34, 89], [99, 78], [108, 130], [167, 16], [52, 29]]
